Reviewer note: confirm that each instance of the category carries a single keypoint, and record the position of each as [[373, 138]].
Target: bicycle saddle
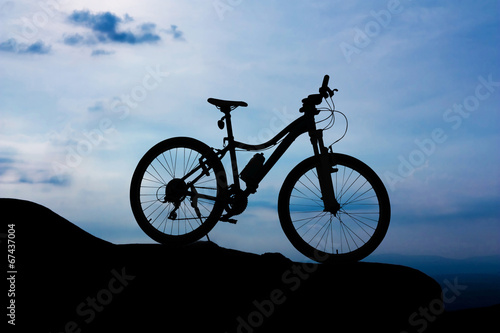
[[226, 104]]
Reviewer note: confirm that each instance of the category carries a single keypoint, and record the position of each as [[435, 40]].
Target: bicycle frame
[[301, 125], [289, 133]]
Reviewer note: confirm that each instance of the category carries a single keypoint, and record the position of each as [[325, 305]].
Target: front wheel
[[355, 231], [177, 191]]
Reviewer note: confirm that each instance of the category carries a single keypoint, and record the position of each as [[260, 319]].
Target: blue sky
[[87, 87]]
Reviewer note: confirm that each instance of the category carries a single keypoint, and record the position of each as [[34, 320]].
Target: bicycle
[[332, 207]]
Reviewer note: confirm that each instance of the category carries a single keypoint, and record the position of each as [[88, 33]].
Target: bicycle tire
[[355, 231], [172, 159]]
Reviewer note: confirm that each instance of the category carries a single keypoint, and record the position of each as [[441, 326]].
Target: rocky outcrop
[[67, 280]]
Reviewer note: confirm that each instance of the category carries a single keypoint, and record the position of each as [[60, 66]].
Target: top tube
[[298, 126]]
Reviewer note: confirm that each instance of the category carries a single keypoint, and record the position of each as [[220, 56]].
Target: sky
[[87, 87]]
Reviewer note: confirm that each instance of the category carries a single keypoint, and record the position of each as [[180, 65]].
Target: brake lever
[[325, 91], [328, 92]]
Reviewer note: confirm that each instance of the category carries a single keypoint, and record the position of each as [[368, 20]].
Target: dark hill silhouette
[[70, 281]]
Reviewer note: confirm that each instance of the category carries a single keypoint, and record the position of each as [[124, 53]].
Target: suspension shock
[[324, 169]]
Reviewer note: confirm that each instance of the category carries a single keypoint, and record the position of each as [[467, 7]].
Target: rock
[[70, 281]]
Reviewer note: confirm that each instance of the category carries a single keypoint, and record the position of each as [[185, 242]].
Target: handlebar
[[325, 81], [324, 92]]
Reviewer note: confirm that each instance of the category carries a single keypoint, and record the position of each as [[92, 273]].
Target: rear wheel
[[354, 231], [177, 191]]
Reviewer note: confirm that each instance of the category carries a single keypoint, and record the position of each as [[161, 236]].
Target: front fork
[[324, 170]]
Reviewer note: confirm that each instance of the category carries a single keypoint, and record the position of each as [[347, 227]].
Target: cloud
[[11, 45], [104, 29], [99, 105], [74, 40], [100, 52], [5, 164], [43, 178], [14, 169], [178, 35], [36, 48]]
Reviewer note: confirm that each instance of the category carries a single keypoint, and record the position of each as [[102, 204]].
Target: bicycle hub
[[175, 190]]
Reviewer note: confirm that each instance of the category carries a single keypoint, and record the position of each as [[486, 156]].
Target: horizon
[[87, 87]]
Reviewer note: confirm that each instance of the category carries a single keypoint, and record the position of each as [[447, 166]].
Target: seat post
[[232, 148]]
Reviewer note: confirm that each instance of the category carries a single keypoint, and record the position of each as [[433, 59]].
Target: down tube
[[280, 150]]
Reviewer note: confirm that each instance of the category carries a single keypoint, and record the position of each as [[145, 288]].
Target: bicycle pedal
[[232, 221]]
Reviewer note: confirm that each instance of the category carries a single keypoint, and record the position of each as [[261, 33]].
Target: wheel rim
[[351, 229]]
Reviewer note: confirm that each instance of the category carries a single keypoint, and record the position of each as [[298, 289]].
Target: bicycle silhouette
[[331, 206]]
